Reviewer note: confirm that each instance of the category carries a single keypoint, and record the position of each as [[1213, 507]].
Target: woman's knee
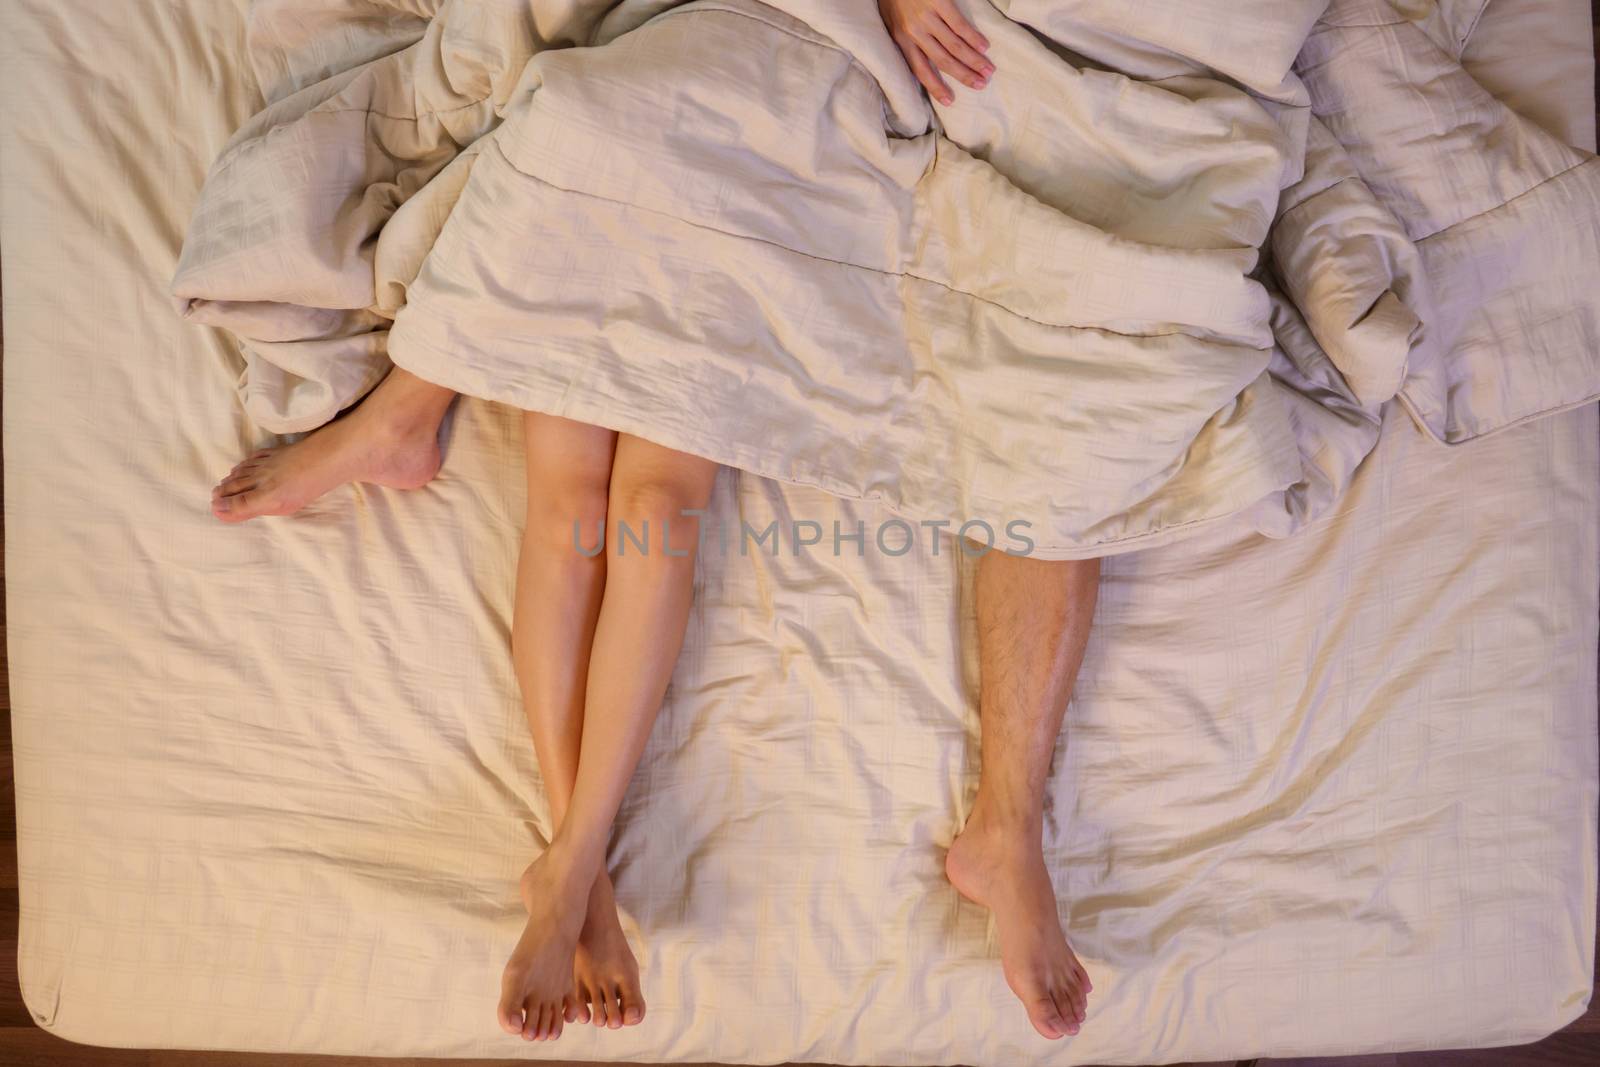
[[567, 514], [567, 502], [660, 490], [568, 480]]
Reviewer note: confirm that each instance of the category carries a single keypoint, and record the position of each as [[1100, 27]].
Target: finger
[[957, 21], [927, 75], [941, 58], [964, 53]]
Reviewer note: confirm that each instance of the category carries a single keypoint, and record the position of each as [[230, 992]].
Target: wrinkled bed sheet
[[733, 228], [1328, 794]]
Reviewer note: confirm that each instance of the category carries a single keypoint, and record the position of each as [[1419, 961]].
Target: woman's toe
[[614, 1009], [632, 1006], [509, 1014]]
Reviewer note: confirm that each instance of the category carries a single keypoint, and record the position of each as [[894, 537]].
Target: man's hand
[[934, 35]]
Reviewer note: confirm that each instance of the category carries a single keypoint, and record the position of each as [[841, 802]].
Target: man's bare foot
[[391, 438], [536, 987], [605, 975], [1002, 868]]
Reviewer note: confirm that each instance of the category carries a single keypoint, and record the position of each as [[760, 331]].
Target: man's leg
[[1033, 624], [557, 606], [391, 438]]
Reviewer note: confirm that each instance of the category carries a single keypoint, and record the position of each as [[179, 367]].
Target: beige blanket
[[732, 228], [1333, 793]]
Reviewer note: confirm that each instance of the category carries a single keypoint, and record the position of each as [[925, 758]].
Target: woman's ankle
[[571, 866]]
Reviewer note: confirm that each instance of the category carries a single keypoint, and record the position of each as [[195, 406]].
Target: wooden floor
[[24, 1045]]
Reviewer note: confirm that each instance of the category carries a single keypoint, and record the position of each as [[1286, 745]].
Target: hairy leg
[[557, 604], [391, 438], [1033, 623], [637, 636]]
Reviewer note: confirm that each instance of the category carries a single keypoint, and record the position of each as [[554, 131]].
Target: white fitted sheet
[[1327, 795]]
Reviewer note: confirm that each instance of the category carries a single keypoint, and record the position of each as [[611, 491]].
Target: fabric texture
[[1328, 794], [724, 227]]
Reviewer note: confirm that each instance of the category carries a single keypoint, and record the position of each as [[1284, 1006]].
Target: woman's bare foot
[[536, 988], [1002, 868], [605, 975], [391, 438]]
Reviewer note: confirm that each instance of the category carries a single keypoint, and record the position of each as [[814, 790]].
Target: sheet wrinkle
[[861, 266], [1579, 165], [798, 473], [608, 111]]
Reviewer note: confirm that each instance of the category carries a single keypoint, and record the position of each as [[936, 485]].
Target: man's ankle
[[1018, 821]]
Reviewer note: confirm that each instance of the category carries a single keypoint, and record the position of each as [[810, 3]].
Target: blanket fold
[[1156, 275]]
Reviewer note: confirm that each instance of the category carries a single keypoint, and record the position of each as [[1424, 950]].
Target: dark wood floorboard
[[24, 1045]]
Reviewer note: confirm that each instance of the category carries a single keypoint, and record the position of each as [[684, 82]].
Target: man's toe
[[1072, 997], [1047, 1018], [235, 508], [1078, 972], [1069, 1009]]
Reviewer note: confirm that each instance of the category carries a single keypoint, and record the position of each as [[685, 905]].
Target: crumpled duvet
[[1166, 269]]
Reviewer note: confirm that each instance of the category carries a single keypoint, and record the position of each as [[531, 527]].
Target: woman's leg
[[557, 605], [637, 637], [391, 438]]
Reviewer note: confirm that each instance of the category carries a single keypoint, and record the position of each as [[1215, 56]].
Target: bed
[[1330, 794]]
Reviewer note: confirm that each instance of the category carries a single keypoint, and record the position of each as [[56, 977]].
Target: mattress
[[1330, 794]]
